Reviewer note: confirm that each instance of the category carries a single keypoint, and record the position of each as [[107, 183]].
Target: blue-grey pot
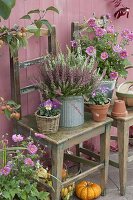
[[72, 111]]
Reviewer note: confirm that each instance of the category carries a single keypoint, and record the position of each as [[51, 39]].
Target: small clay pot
[[99, 112], [119, 109]]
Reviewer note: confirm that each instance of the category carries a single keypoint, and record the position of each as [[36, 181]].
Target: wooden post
[[52, 41]]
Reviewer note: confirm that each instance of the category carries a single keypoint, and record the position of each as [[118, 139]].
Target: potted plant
[[68, 77], [98, 38], [99, 104], [19, 166], [48, 116]]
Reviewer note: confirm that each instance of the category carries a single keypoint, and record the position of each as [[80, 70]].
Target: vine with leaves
[[16, 37]]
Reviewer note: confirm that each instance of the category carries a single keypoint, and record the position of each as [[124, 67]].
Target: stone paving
[[113, 182]]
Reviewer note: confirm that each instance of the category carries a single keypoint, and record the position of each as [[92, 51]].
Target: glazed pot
[[99, 112], [119, 109]]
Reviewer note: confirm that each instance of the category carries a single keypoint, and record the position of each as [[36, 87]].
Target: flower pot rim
[[115, 114]]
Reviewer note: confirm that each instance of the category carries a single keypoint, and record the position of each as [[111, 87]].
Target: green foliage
[[16, 37], [99, 97], [6, 7], [20, 182]]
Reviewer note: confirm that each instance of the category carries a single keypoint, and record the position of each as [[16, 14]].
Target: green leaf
[[34, 11], [26, 17], [38, 23], [52, 8], [46, 23], [7, 113], [6, 7]]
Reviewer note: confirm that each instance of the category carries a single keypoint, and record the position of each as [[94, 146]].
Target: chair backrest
[[16, 66], [75, 26]]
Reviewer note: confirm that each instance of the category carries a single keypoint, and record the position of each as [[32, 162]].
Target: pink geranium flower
[[110, 29], [32, 149], [90, 51], [123, 54], [29, 162], [100, 31], [125, 33], [113, 75], [117, 48], [5, 170], [104, 55], [17, 138], [92, 22]]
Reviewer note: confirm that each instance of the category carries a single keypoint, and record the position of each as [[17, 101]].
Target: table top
[[64, 134]]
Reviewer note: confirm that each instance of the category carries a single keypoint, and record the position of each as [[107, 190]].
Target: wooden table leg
[[57, 154], [123, 140], [104, 157]]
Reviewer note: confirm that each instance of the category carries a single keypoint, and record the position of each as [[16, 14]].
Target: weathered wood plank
[[82, 175], [78, 159]]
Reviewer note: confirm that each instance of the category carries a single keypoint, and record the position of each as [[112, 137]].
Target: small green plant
[[49, 108], [99, 97], [16, 37], [10, 109]]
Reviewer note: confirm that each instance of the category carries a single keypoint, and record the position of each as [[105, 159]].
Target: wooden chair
[[16, 66]]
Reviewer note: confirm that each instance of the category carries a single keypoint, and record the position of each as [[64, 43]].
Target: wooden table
[[123, 124], [68, 137]]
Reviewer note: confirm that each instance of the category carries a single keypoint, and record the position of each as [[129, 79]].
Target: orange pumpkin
[[86, 190]]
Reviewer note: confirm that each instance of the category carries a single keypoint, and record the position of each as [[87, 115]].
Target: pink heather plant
[[99, 39]]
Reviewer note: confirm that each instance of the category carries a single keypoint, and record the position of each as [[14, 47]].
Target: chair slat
[[27, 89]]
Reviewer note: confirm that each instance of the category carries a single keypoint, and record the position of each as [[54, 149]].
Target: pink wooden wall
[[70, 10]]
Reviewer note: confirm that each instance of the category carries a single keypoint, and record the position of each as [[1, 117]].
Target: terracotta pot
[[119, 109], [99, 112]]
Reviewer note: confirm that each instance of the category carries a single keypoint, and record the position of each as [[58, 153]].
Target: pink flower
[[117, 48], [110, 29], [39, 135], [123, 54], [125, 33], [29, 162], [17, 138], [73, 43], [90, 51], [92, 22], [104, 55], [32, 148], [130, 36], [113, 75], [5, 170], [100, 31]]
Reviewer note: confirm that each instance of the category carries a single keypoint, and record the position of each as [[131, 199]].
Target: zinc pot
[[99, 112], [72, 111]]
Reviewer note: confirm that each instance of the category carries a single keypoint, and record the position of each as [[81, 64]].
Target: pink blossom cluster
[[17, 138], [32, 149]]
